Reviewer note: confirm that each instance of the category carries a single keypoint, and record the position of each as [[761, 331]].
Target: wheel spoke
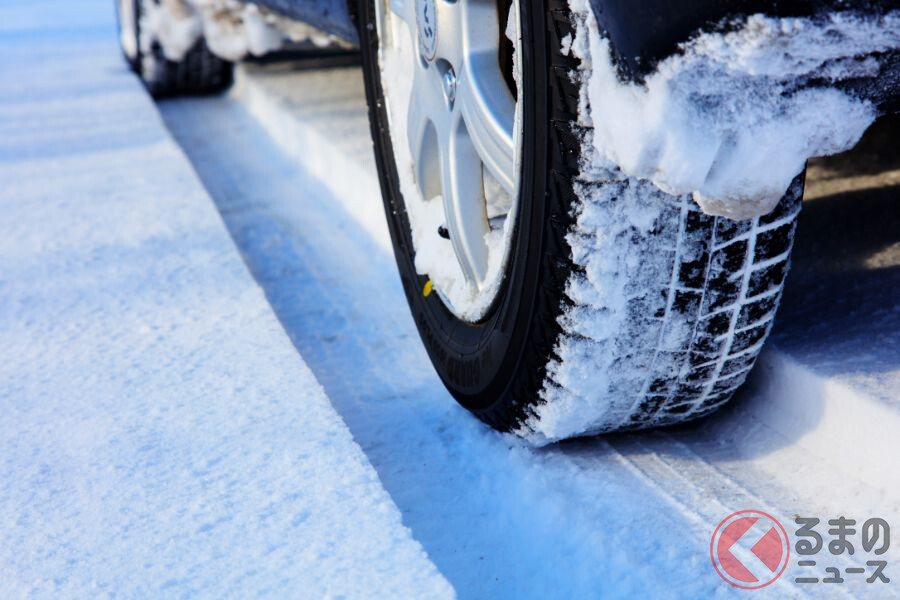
[[404, 9], [489, 110], [426, 115], [464, 206]]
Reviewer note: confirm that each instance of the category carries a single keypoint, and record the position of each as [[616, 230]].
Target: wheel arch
[[644, 32]]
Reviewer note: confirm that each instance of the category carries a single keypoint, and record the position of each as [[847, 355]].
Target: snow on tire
[[666, 310], [621, 307]]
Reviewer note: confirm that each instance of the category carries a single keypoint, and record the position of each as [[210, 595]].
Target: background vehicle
[[194, 69], [554, 299]]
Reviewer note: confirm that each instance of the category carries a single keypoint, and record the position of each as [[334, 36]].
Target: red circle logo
[[750, 549]]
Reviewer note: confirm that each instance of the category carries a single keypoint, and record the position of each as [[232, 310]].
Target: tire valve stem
[[427, 289], [443, 232]]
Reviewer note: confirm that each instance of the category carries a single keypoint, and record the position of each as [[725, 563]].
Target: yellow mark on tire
[[427, 289]]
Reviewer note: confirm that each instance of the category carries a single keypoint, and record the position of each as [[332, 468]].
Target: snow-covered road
[[160, 436], [287, 158]]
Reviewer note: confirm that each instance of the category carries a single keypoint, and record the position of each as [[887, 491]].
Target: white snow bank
[[725, 119], [334, 113], [160, 436]]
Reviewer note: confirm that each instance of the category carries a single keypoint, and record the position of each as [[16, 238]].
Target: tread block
[[727, 229], [758, 310], [767, 278], [721, 293], [738, 364], [774, 242]]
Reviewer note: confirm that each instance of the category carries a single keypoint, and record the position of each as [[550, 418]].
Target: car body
[[645, 32], [331, 16]]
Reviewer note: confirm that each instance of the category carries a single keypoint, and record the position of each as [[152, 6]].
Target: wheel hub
[[449, 85], [459, 120]]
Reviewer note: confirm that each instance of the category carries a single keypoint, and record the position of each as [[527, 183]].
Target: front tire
[[620, 307]]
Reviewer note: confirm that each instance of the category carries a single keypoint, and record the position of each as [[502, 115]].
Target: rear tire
[[199, 72], [622, 307]]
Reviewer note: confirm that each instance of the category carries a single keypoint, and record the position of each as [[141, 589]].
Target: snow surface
[[621, 516], [136, 423], [160, 435], [728, 119]]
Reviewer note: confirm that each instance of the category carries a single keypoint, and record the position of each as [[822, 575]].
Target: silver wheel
[[455, 131]]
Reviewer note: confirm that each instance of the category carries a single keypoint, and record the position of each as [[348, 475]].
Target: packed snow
[[160, 436], [728, 118], [231, 29], [171, 23]]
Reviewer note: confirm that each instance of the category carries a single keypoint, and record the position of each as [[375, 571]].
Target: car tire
[[199, 72], [558, 356]]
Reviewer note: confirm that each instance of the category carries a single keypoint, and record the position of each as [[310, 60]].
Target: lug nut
[[449, 85]]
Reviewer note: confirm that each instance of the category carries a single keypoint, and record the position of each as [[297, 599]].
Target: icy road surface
[[287, 159], [159, 435]]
